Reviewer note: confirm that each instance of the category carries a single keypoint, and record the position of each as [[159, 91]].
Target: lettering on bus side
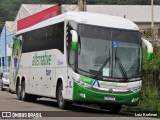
[[41, 60]]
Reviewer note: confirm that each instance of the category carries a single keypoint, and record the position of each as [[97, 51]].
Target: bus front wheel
[[113, 108], [63, 104]]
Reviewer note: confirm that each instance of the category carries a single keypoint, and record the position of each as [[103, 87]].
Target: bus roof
[[87, 18]]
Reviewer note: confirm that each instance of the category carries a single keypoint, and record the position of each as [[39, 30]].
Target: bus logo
[[6, 114], [96, 82], [110, 90]]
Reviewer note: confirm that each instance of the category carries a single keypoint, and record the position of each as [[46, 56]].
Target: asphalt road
[[48, 107]]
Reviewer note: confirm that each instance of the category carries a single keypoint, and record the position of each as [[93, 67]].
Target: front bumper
[[5, 86], [82, 94]]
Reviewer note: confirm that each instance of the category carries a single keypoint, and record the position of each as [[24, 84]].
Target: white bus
[[80, 57]]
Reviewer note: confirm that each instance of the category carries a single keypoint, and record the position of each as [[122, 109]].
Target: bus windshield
[[109, 52]]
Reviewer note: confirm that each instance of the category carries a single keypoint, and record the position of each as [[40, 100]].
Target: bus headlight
[[134, 89], [80, 82], [76, 80]]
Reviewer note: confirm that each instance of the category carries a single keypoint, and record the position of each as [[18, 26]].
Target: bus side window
[[1, 75], [71, 55], [69, 37], [69, 51]]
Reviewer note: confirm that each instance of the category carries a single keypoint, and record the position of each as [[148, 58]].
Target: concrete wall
[[143, 26]]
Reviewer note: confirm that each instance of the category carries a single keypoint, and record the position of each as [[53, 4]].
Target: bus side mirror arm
[[74, 44], [149, 49], [14, 37]]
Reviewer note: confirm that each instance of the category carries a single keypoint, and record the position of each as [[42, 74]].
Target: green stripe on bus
[[87, 95]]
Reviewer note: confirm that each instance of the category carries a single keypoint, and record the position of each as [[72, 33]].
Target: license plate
[[110, 98]]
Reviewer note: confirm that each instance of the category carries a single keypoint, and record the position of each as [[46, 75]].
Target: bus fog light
[[82, 95], [135, 99]]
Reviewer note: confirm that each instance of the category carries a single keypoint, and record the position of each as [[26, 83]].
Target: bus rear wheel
[[18, 90], [2, 89], [25, 96], [9, 91], [63, 104], [23, 93]]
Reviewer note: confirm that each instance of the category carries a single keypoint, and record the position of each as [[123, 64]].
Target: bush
[[150, 99]]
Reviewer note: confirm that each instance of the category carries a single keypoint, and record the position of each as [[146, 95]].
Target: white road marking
[[126, 118], [5, 100], [19, 101]]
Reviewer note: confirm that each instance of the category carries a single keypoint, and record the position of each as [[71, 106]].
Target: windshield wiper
[[121, 68], [104, 64], [79, 41]]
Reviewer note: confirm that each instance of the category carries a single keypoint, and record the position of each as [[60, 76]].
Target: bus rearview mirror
[[74, 44], [149, 49]]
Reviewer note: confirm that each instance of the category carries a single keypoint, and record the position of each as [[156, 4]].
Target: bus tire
[[9, 90], [113, 108], [23, 92], [25, 96], [18, 91], [62, 103], [12, 92], [2, 89]]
